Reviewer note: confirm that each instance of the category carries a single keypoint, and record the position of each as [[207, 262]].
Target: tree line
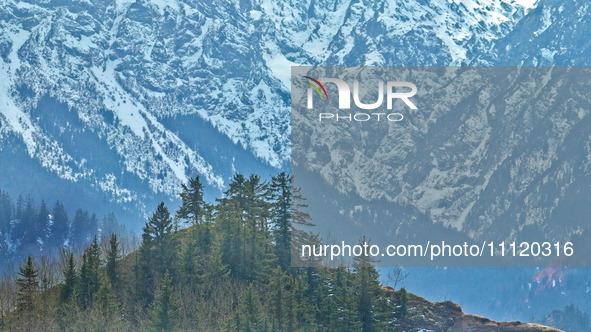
[[29, 229], [229, 270]]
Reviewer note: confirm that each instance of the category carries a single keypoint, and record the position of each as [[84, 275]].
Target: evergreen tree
[[229, 225], [233, 273], [288, 212], [27, 286], [109, 225], [80, 228], [242, 218], [340, 310], [257, 252], [368, 291], [196, 254], [278, 299], [24, 230], [6, 212], [288, 308], [68, 290], [60, 226], [143, 284], [106, 301], [193, 206], [248, 317], [6, 215], [157, 254], [68, 295], [89, 275], [211, 270], [42, 222], [112, 265], [163, 308], [402, 296], [281, 195], [157, 239]]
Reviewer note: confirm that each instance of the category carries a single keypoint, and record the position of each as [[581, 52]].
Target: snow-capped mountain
[[130, 98]]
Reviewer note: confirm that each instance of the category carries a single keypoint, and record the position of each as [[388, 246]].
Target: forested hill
[[228, 271]]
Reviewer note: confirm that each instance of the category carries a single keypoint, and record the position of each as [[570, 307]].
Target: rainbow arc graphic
[[316, 87]]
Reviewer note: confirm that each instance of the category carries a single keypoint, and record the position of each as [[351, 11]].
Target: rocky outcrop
[[447, 316]]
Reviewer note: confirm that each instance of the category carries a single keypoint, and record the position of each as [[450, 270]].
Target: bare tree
[[7, 297], [396, 277], [49, 273]]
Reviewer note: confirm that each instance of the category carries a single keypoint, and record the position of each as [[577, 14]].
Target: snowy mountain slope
[[522, 174], [554, 33], [496, 153], [118, 71]]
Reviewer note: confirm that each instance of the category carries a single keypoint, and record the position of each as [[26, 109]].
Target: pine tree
[[211, 269], [112, 265], [241, 221], [60, 226], [402, 296], [300, 310], [42, 223], [196, 253], [68, 290], [106, 301], [80, 228], [340, 308], [289, 218], [193, 206], [281, 195], [27, 286], [6, 215], [287, 304], [249, 312], [68, 295], [157, 239], [89, 275], [6, 212], [368, 290], [230, 225], [24, 230], [163, 308], [257, 252], [156, 255], [250, 234], [143, 283], [109, 225], [278, 298]]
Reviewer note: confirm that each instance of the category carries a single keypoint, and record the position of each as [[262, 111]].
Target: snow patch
[[255, 14], [546, 21], [279, 65]]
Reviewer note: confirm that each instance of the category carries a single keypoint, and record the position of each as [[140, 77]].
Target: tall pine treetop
[[193, 206], [158, 225], [27, 286]]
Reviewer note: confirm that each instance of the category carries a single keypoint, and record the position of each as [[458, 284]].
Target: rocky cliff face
[[495, 153]]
